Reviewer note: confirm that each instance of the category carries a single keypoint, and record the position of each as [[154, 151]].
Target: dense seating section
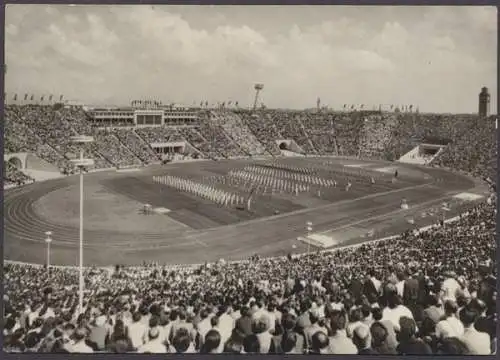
[[234, 126], [24, 134], [290, 126], [376, 135], [160, 134], [348, 132], [418, 294], [474, 149], [136, 144], [261, 125], [320, 129], [194, 137], [46, 131], [110, 147], [219, 139], [15, 177]]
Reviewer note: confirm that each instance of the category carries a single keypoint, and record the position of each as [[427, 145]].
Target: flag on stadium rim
[[25, 97]]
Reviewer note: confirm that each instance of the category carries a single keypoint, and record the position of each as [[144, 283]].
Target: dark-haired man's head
[[212, 342], [245, 311], [453, 346], [338, 321], [181, 341], [377, 313], [137, 316], [154, 321], [379, 334], [214, 321], [251, 344], [320, 342], [468, 316], [450, 308], [288, 322], [361, 337], [407, 329], [288, 342]]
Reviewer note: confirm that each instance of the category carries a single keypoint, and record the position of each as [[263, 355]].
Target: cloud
[[390, 55]]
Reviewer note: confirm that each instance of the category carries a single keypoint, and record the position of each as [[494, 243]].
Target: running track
[[23, 232]]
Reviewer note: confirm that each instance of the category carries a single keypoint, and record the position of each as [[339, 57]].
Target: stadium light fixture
[[81, 163], [48, 240]]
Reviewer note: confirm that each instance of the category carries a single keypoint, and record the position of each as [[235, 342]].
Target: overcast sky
[[435, 57]]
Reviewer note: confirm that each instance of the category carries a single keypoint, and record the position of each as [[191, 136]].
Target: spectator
[[450, 326], [361, 338], [409, 344], [477, 343]]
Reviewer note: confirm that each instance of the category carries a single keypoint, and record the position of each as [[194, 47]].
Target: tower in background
[[484, 102]]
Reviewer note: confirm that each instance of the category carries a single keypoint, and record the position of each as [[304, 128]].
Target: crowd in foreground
[[423, 293]]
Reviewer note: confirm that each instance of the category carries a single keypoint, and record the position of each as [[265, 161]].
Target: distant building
[[484, 102]]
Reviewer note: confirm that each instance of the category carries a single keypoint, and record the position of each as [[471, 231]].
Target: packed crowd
[[15, 177], [233, 125], [429, 292], [46, 131]]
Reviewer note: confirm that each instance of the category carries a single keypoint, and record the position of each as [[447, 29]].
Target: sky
[[436, 58]]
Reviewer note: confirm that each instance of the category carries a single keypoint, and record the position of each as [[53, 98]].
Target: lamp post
[[48, 240], [81, 163], [309, 229]]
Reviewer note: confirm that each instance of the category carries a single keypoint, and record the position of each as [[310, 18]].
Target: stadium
[[249, 227], [279, 193], [214, 186]]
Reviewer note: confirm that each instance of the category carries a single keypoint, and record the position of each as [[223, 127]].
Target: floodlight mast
[[81, 163], [258, 88]]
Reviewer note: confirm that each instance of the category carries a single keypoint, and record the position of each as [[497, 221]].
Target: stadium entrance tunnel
[[283, 146], [15, 162]]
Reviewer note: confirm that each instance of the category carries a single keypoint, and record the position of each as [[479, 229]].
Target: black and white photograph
[[216, 179]]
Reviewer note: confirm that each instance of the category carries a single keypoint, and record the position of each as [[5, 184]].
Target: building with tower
[[484, 102]]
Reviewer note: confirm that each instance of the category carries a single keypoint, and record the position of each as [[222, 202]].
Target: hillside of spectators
[[46, 131]]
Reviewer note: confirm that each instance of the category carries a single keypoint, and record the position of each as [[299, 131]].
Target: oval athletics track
[[24, 229]]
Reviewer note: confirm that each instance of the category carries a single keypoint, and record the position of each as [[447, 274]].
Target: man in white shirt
[[79, 346], [450, 326], [450, 286], [136, 331], [226, 323], [395, 311], [478, 343], [154, 345]]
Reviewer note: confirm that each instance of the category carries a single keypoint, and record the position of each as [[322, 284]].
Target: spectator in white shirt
[[395, 310], [79, 346], [154, 345], [450, 286], [136, 330], [450, 326], [478, 343]]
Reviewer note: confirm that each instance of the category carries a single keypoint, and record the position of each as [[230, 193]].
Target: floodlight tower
[[258, 88], [81, 163]]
